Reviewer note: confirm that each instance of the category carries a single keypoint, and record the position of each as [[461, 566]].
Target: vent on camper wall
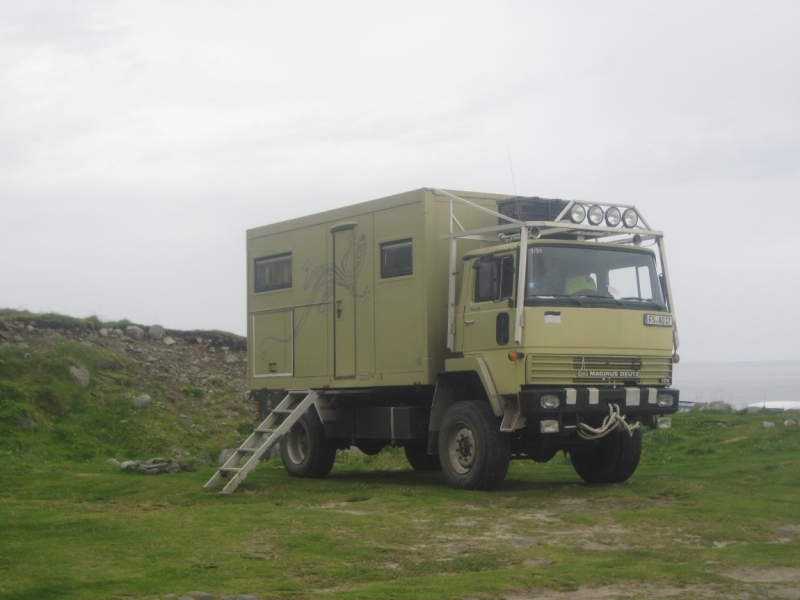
[[530, 209]]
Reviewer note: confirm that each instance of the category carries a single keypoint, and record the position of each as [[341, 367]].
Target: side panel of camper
[[354, 297]]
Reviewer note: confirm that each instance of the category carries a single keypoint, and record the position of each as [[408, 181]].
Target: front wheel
[[305, 451], [611, 459], [474, 453]]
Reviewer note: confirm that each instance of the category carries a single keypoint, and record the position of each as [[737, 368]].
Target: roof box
[[532, 208]]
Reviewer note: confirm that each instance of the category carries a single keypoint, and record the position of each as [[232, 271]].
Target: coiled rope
[[613, 421]]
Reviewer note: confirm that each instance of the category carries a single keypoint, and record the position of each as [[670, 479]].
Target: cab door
[[488, 306]]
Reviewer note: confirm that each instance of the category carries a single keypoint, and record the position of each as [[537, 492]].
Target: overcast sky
[[138, 141]]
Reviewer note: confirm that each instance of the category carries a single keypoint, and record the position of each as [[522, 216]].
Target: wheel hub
[[461, 448]]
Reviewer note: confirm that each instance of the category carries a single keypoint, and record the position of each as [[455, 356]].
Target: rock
[[22, 346], [105, 379], [753, 410], [27, 423], [172, 468], [132, 331], [151, 359], [231, 359], [113, 462], [225, 455], [768, 425], [194, 369], [717, 405], [184, 380], [356, 451], [789, 423], [129, 465], [19, 338], [156, 332], [103, 332], [30, 328], [246, 395], [118, 332], [142, 401], [80, 375], [200, 596], [168, 341]]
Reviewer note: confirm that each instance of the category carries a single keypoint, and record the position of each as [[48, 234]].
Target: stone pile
[[155, 466]]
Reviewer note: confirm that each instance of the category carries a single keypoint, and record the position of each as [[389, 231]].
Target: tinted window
[[273, 272], [396, 259]]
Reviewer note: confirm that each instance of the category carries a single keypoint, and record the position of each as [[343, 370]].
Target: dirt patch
[[764, 574], [620, 591]]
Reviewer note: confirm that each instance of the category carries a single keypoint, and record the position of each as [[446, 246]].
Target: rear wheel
[[474, 454], [419, 459], [305, 451], [611, 459]]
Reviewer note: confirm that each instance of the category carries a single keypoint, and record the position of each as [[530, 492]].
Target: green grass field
[[713, 510]]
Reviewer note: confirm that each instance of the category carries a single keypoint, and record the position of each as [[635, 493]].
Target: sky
[[139, 140]]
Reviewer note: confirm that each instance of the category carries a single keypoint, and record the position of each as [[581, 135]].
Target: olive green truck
[[468, 328]]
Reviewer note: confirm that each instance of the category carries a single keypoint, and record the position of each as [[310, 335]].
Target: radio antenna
[[511, 168]]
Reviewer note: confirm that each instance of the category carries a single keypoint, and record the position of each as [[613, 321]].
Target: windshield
[[602, 274]]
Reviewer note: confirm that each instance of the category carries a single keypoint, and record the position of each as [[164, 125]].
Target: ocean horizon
[[738, 383]]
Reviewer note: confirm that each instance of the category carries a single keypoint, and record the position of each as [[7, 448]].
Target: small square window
[[273, 272], [396, 259]]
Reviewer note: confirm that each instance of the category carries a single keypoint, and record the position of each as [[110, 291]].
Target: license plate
[[658, 320]]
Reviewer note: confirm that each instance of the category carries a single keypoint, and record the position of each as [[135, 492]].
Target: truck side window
[[273, 272], [396, 259], [494, 278]]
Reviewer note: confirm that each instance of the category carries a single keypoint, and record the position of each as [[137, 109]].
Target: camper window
[[396, 259], [273, 272]]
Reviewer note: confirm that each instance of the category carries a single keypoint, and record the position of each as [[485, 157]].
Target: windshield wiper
[[653, 302], [599, 297], [559, 296]]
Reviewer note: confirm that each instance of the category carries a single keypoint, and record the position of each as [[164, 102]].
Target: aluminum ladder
[[279, 421]]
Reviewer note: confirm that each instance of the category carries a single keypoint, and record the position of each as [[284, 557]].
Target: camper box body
[[354, 297]]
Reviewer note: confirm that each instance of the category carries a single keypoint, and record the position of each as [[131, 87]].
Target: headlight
[[577, 213], [549, 401], [630, 218], [613, 217], [595, 215], [665, 400]]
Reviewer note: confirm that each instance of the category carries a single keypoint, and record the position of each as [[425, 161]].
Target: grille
[[556, 369]]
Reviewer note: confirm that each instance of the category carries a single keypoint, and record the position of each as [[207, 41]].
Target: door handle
[[468, 322]]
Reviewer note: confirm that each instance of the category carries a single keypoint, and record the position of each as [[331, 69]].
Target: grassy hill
[[199, 402], [712, 511]]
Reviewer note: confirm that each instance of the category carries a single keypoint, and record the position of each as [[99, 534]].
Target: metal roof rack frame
[[525, 230]]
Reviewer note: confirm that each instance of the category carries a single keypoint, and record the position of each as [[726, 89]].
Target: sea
[[738, 383]]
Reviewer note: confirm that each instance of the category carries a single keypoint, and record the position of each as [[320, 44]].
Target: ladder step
[[246, 449], [282, 411], [230, 469], [263, 430]]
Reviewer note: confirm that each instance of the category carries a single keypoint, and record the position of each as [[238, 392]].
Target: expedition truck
[[467, 328]]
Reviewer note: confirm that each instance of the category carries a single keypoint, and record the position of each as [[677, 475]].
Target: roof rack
[[559, 228]]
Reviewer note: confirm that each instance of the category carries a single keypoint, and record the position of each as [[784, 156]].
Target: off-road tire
[[305, 451], [419, 459], [473, 452], [611, 459]]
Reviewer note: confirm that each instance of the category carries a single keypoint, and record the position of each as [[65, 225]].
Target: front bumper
[[636, 402]]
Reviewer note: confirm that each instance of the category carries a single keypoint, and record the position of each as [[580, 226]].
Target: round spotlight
[[665, 400], [577, 213], [549, 401], [613, 217], [595, 215], [630, 218]]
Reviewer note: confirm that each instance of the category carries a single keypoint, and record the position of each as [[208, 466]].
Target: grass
[[75, 423], [699, 507]]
